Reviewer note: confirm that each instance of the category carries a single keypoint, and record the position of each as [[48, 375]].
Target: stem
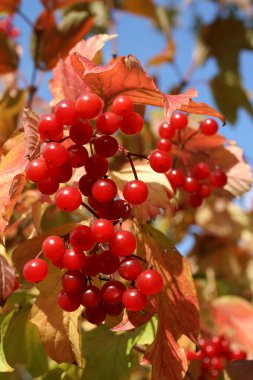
[[139, 258], [33, 88], [138, 348], [193, 134], [127, 153], [132, 166], [24, 17], [90, 210]]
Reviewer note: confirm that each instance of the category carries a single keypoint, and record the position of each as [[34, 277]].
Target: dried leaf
[[8, 54], [66, 83], [165, 56], [158, 186], [132, 80], [7, 280], [32, 138], [9, 6], [59, 330], [144, 8], [239, 369], [57, 4]]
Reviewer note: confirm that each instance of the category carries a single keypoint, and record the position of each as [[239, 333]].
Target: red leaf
[[7, 280], [131, 79], [56, 4], [32, 138], [9, 6], [8, 54], [66, 83]]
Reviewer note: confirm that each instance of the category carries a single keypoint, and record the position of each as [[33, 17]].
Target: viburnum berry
[[166, 131], [61, 173], [179, 121], [130, 268], [37, 170], [132, 124], [96, 166], [81, 132], [108, 123], [49, 186], [149, 282], [209, 127], [106, 146], [218, 178], [195, 200], [134, 300], [73, 259], [68, 301], [89, 106], [108, 262], [176, 177], [112, 292], [190, 185], [73, 281], [98, 206], [237, 354], [123, 243], [204, 191], [201, 170], [160, 161], [122, 105], [92, 296], [49, 128], [104, 190], [55, 154], [65, 112], [135, 192], [53, 247], [95, 315], [78, 155], [102, 230], [81, 237], [68, 198], [85, 185], [114, 310], [92, 265], [164, 144], [35, 270]]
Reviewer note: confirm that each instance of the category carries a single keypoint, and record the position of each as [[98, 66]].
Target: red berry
[[49, 128], [176, 177], [149, 282], [65, 112], [49, 186], [201, 170], [95, 315], [61, 173], [112, 292], [130, 268], [114, 310], [190, 185], [53, 247], [195, 200], [68, 301], [192, 355], [123, 243], [179, 121], [89, 106], [85, 185], [106, 146], [108, 123], [37, 170], [204, 191], [55, 154], [132, 124], [135, 192], [96, 166], [35, 270], [92, 265], [166, 131], [73, 259], [81, 238], [209, 127], [81, 132], [68, 198], [160, 161], [78, 155], [92, 296], [122, 105], [237, 354], [104, 190], [217, 364], [134, 300], [164, 144], [108, 262], [99, 206], [218, 178], [73, 281], [102, 230]]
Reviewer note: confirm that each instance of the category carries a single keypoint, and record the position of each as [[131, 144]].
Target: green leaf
[[5, 367]]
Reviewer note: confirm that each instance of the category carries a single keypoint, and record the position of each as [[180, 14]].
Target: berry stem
[[139, 258], [24, 17], [127, 153], [193, 134], [90, 210], [39, 254], [132, 166]]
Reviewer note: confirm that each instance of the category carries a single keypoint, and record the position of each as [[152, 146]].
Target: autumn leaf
[[233, 316], [9, 6], [159, 191], [62, 36], [12, 179], [8, 54], [7, 280], [144, 8], [57, 4], [32, 138], [59, 330], [132, 80], [66, 83], [165, 56], [238, 370]]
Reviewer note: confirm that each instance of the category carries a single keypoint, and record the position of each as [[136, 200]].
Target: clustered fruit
[[102, 250], [214, 354]]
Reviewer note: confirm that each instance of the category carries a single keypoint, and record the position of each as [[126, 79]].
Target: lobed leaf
[[32, 138]]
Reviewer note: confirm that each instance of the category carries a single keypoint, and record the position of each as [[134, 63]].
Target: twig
[[132, 166], [25, 18], [90, 210]]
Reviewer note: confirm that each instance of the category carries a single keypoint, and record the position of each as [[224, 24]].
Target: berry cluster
[[213, 355], [197, 182], [6, 25], [102, 251]]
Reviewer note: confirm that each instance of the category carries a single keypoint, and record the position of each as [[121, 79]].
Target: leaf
[[62, 35], [5, 367], [239, 369], [66, 83], [11, 105], [229, 95], [233, 316], [32, 138], [165, 56], [7, 280], [131, 79], [144, 8], [12, 179], [59, 330], [31, 247], [158, 186], [176, 305], [57, 4], [8, 54], [9, 6]]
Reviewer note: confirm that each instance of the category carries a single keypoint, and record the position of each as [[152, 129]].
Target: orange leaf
[[7, 280], [32, 138], [9, 6], [129, 78], [56, 4], [165, 56], [66, 83]]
